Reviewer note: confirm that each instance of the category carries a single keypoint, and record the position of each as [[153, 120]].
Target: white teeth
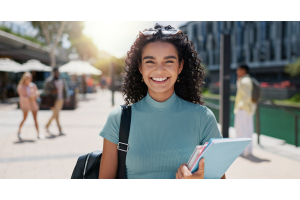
[[159, 79]]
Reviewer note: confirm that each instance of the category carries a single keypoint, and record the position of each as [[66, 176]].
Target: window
[[283, 41], [268, 30]]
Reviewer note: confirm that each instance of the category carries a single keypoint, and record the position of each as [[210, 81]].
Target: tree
[[105, 64], [85, 47], [293, 69], [52, 32]]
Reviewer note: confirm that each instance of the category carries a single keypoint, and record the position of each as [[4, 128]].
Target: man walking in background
[[244, 107], [57, 87]]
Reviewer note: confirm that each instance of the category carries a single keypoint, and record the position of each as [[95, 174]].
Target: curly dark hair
[[191, 76]]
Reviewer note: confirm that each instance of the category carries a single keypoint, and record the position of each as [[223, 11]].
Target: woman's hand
[[184, 173], [34, 97]]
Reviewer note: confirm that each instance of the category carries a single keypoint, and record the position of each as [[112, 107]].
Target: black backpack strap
[[123, 141]]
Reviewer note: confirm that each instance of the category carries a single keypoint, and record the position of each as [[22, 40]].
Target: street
[[56, 156]]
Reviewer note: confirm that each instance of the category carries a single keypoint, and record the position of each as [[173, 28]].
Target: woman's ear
[[140, 68], [181, 66]]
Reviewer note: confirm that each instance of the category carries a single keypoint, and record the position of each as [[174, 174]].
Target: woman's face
[[160, 67], [27, 80]]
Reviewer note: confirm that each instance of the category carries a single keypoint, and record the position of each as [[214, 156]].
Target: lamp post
[[224, 115]]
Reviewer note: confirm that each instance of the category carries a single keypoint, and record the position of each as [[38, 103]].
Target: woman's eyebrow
[[169, 57], [148, 57]]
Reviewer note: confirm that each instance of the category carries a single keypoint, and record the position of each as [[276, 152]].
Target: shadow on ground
[[23, 141], [254, 159], [87, 99], [52, 136]]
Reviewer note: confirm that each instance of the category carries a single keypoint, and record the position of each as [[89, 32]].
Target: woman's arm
[[36, 93], [22, 93], [109, 161]]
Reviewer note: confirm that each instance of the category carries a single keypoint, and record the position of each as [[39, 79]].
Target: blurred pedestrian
[[103, 82], [58, 87], [90, 84], [83, 85], [244, 107], [28, 93]]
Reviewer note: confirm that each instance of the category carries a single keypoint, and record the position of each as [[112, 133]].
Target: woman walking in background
[[28, 93]]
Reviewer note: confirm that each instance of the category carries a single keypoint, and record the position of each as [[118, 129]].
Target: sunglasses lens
[[148, 32], [170, 32], [166, 32]]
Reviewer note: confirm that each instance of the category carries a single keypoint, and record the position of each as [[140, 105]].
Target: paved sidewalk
[[55, 157]]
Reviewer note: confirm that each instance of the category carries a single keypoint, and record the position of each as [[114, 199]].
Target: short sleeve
[[111, 128], [210, 127]]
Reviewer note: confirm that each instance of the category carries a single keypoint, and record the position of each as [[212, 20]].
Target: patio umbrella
[[8, 65], [78, 67], [36, 65]]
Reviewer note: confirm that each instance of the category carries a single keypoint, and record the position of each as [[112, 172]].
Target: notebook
[[195, 155], [219, 154]]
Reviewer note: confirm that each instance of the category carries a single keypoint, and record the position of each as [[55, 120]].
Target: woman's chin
[[161, 90]]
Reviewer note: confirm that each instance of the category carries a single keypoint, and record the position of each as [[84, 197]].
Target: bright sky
[[116, 37]]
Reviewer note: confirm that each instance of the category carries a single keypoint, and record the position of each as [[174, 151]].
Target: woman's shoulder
[[32, 84], [110, 130], [197, 109], [193, 106], [115, 113]]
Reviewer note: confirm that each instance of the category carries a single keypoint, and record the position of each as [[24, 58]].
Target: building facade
[[266, 46]]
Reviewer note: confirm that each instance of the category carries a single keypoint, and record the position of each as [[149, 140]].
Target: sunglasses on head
[[167, 30]]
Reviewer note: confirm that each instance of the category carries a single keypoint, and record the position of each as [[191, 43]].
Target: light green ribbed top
[[163, 135]]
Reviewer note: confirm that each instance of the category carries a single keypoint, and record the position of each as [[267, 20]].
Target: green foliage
[[85, 47], [205, 91], [32, 39], [105, 65], [205, 68], [293, 69], [295, 98]]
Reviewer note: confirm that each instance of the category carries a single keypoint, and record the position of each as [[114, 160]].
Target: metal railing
[[257, 118]]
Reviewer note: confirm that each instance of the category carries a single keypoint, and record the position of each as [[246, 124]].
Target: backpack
[[255, 90], [88, 165]]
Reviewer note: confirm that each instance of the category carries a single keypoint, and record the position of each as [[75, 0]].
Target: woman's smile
[[159, 80]]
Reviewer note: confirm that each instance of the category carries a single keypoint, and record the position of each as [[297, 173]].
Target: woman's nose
[[160, 67]]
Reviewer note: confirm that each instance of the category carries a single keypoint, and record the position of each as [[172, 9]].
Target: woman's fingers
[[201, 164], [179, 174], [183, 172], [200, 170]]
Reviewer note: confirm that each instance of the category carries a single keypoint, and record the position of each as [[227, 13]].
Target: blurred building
[[266, 46], [14, 44]]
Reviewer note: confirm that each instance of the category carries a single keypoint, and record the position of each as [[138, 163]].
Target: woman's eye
[[149, 61], [169, 61]]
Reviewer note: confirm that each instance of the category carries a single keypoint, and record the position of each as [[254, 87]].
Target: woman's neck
[[161, 97]]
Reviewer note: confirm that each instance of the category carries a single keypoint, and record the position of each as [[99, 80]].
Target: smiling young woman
[[162, 83]]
